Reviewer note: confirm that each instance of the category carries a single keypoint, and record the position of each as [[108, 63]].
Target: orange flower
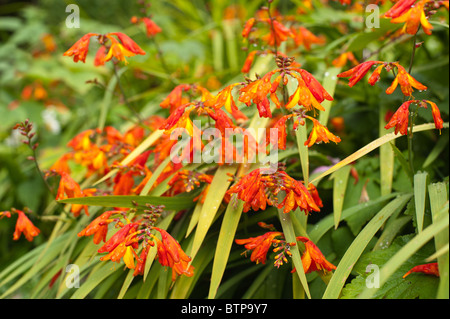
[[68, 188], [320, 134], [303, 36], [429, 269], [152, 28], [225, 98], [140, 265], [313, 259], [406, 81], [174, 99], [259, 189], [25, 226], [438, 122], [98, 227], [248, 27], [171, 255], [413, 16], [357, 73], [400, 119], [125, 48], [399, 8], [257, 92], [278, 33], [259, 245], [80, 49], [342, 59], [124, 235]]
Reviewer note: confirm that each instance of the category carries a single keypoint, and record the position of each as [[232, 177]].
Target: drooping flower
[[260, 188], [438, 122], [259, 245], [342, 59], [175, 99], [225, 98], [151, 27], [140, 265], [278, 33], [98, 227], [358, 72], [248, 27], [428, 269], [69, 188], [119, 237], [303, 36], [80, 49], [400, 119], [256, 92], [25, 226], [171, 255], [121, 48], [320, 134], [406, 81], [413, 16], [313, 259]]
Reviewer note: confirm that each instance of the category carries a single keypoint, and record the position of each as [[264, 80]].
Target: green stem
[[125, 100]]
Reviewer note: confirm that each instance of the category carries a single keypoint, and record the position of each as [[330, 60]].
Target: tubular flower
[[313, 259], [225, 98], [357, 73], [25, 226], [151, 27], [171, 255], [121, 48], [80, 49], [175, 99], [259, 245], [342, 59], [98, 227], [278, 33], [119, 237], [438, 122], [257, 92], [248, 27], [303, 36], [412, 15], [429, 269], [140, 265], [260, 187], [406, 81], [320, 134], [68, 188]]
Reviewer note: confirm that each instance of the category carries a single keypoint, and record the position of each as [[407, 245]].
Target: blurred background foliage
[[200, 43]]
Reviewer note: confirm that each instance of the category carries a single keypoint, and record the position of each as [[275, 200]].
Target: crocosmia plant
[[198, 150]]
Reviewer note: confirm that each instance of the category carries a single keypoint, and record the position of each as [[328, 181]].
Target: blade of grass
[[439, 210], [420, 190], [226, 237], [386, 156], [289, 234], [358, 245], [340, 179]]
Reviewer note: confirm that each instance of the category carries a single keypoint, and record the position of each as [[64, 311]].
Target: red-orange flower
[[357, 73], [438, 122], [400, 118], [68, 188], [140, 265], [151, 27], [413, 16], [429, 269], [313, 259], [98, 227], [278, 33], [260, 187], [320, 134], [303, 36], [80, 49], [25, 226], [225, 98], [259, 245], [248, 27], [257, 92], [406, 81], [121, 236], [342, 59], [171, 255]]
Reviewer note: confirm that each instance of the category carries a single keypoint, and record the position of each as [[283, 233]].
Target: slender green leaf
[[340, 179], [420, 189]]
